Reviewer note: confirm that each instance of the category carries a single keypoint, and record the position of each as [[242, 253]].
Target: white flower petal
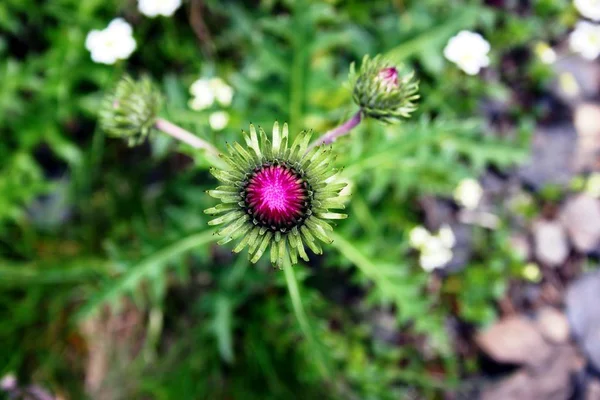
[[588, 8], [468, 193], [469, 51], [218, 120], [585, 40], [418, 236]]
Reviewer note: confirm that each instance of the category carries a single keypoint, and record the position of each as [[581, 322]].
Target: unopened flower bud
[[130, 110], [389, 77], [381, 91]]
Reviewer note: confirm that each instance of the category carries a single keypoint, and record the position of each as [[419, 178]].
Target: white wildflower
[[468, 193], [435, 250], [585, 40], [113, 43], [222, 91], [469, 51], [202, 95], [588, 8], [545, 53], [435, 254], [218, 120], [446, 236], [153, 8], [418, 236], [205, 91]]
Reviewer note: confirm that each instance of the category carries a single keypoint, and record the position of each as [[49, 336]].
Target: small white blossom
[[585, 40], [468, 193], [153, 8], [435, 250], [202, 95], [589, 8], [205, 91], [469, 51], [545, 53], [446, 236], [418, 236], [222, 91], [113, 43], [218, 120], [435, 254]]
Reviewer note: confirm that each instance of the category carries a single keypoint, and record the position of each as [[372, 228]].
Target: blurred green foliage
[[86, 222]]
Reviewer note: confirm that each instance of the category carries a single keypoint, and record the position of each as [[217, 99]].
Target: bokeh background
[[111, 286]]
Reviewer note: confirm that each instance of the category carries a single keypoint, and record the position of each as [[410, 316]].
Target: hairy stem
[[184, 136], [344, 129]]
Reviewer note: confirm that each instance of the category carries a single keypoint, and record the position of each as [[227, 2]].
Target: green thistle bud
[[130, 110], [380, 92], [277, 196]]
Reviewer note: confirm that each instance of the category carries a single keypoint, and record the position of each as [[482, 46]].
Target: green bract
[[130, 110], [380, 92], [277, 196]]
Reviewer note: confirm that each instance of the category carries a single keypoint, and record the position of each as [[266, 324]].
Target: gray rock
[[548, 381], [551, 162], [583, 313], [581, 217], [514, 340], [553, 325], [586, 119], [551, 246], [586, 75]]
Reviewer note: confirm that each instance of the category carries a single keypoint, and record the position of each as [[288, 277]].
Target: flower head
[[276, 195], [130, 110], [113, 43], [468, 193], [589, 8], [153, 8], [469, 51], [435, 250], [218, 120], [545, 53], [205, 91], [585, 40], [380, 91]]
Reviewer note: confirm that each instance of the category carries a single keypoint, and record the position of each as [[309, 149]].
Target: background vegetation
[[110, 283]]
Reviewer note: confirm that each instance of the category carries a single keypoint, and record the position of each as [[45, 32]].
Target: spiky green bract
[[379, 99], [130, 110], [314, 193]]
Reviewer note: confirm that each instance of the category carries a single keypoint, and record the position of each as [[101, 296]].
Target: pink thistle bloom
[[276, 196]]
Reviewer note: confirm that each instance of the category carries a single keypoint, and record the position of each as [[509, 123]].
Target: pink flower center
[[276, 196], [389, 76]]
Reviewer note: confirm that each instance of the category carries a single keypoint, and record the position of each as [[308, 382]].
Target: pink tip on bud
[[389, 76]]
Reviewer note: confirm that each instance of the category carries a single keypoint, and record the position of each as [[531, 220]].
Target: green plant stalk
[[184, 136], [299, 62], [293, 289]]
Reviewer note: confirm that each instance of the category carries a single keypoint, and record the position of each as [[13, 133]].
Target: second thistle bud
[[381, 92], [130, 110]]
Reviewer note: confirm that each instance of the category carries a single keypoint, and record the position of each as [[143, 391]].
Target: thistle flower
[[381, 92], [130, 110], [278, 196]]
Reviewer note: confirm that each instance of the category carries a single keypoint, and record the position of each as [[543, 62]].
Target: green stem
[[343, 129], [293, 288], [298, 66]]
